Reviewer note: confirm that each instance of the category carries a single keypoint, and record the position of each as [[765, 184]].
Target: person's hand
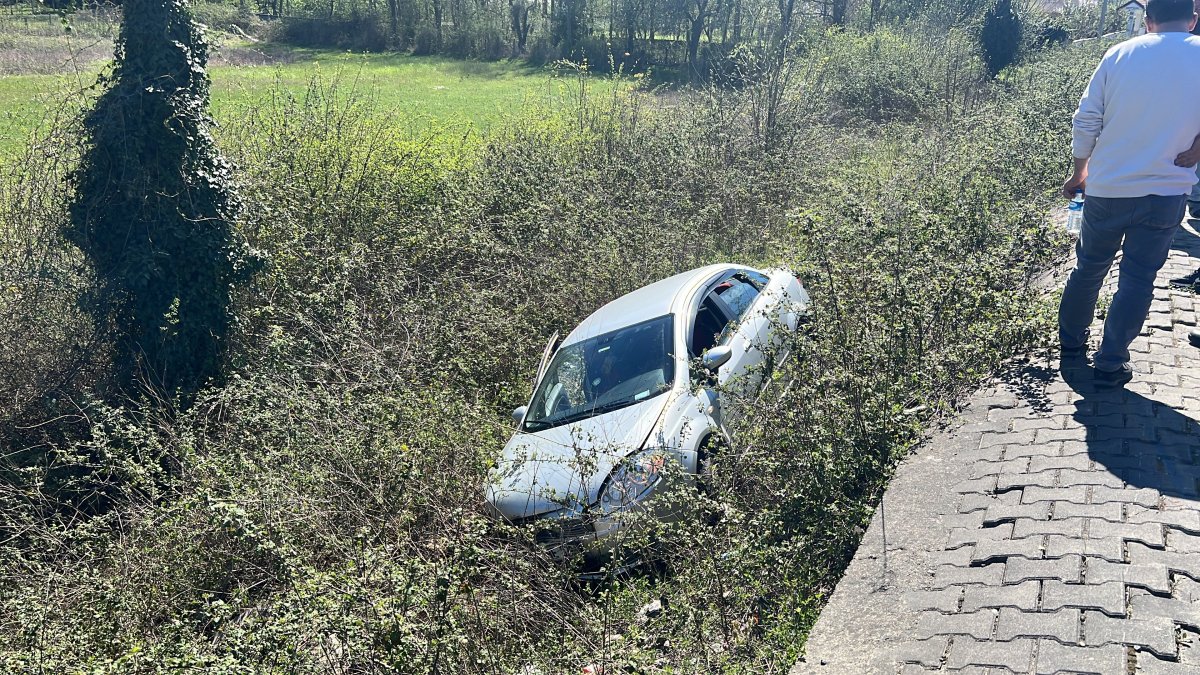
[[1075, 182], [1191, 156]]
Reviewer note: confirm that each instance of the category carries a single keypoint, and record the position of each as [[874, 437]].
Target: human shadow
[[1144, 442], [1187, 239]]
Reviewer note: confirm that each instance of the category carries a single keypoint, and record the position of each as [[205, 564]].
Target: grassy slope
[[426, 90]]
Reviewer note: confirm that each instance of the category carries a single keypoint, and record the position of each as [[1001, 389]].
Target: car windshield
[[605, 373]]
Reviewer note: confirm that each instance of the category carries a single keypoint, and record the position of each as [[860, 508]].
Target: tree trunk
[[737, 23], [437, 25], [693, 46]]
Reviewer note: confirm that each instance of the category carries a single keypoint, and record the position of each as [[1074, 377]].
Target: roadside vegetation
[[319, 505]]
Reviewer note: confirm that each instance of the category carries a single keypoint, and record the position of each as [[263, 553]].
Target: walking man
[[1140, 110]]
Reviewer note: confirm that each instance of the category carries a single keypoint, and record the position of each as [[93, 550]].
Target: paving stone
[[1057, 658], [924, 652], [1080, 462], [1185, 589], [1150, 534], [1035, 423], [991, 453], [1009, 481], [1107, 511], [976, 502], [1151, 577], [981, 426], [1108, 417], [1022, 596], [1006, 549], [1139, 496], [1182, 542], [1027, 528], [1106, 597], [1062, 625], [1165, 481], [962, 536], [983, 469], [1068, 448], [1063, 569], [998, 513], [1058, 546], [1147, 664], [976, 624], [1171, 503], [1152, 606], [1156, 634], [959, 557], [1179, 452], [985, 484], [1183, 563], [950, 575], [1007, 414], [944, 600], [972, 520], [1006, 438], [1172, 437], [1072, 433], [1097, 477], [1015, 655], [1047, 449], [1075, 493]]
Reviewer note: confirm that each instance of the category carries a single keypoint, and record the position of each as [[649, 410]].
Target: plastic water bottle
[[1075, 214]]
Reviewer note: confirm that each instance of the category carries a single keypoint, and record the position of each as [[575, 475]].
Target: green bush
[[849, 77]]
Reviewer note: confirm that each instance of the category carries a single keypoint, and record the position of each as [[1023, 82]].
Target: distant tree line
[[693, 35]]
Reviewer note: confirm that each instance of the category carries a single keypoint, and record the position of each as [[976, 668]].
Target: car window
[[760, 281], [710, 324], [604, 373], [737, 294]]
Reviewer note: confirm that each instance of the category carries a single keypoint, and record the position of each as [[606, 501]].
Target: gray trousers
[[1147, 225]]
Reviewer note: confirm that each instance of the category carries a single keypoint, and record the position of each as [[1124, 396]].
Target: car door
[[747, 332]]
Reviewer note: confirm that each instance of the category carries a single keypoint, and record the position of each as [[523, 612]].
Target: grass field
[[467, 96]]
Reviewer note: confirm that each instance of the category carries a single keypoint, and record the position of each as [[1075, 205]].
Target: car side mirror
[[716, 357], [518, 414]]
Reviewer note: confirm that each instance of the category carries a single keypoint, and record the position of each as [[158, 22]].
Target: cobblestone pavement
[[1055, 528]]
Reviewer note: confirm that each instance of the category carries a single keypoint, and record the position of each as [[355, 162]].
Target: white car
[[616, 401]]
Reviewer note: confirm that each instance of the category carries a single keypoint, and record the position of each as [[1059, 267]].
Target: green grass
[[465, 96]]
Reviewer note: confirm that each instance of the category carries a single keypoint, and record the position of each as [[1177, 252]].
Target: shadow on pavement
[[1187, 238], [1145, 443]]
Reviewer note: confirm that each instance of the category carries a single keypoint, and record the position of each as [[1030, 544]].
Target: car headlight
[[633, 480]]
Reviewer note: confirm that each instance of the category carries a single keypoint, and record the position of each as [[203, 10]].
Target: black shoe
[[1194, 337], [1114, 378], [1194, 210], [1190, 282]]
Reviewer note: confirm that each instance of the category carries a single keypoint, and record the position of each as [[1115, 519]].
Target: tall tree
[[153, 205], [1000, 36]]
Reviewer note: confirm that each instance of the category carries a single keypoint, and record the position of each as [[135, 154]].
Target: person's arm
[[1085, 129], [1078, 179], [1191, 156]]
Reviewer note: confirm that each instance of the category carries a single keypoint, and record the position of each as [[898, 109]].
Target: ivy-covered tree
[[153, 206], [1000, 36]]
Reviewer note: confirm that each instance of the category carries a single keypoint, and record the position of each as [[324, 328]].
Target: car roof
[[645, 303]]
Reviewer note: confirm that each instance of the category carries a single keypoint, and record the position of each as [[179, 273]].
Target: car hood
[[565, 466]]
